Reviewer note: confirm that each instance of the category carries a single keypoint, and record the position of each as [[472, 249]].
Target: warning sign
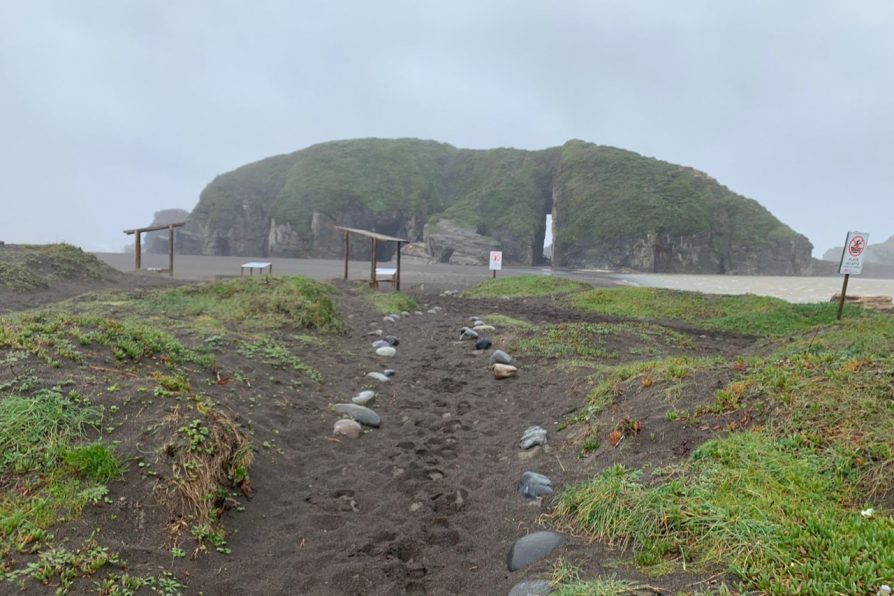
[[852, 255], [496, 260]]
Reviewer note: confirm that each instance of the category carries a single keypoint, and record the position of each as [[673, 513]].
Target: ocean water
[[792, 289]]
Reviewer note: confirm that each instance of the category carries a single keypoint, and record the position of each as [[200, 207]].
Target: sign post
[[496, 262], [851, 261]]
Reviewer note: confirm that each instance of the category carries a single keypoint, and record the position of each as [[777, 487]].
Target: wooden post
[[397, 283], [372, 264], [843, 292], [494, 274], [137, 251], [171, 251], [347, 251]]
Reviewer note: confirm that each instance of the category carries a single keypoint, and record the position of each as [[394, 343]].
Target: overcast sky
[[111, 110]]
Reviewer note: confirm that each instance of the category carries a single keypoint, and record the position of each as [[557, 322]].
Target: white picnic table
[[259, 265]]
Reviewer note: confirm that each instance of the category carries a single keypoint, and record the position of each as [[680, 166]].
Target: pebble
[[466, 333], [504, 371], [348, 428], [376, 332], [531, 548], [474, 318], [386, 351], [392, 340], [389, 319], [414, 507], [404, 313], [432, 311], [361, 414], [395, 316], [537, 587], [377, 376], [364, 397], [380, 343], [482, 327], [499, 356], [389, 372], [533, 435], [418, 312], [483, 343], [533, 485]]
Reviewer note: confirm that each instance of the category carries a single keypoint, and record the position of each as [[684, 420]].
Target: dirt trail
[[426, 504]]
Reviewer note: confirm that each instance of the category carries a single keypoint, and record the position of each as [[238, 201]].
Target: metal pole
[[347, 250], [397, 284], [372, 263], [843, 292]]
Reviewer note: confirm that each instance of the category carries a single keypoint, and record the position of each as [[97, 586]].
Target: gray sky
[[112, 110]]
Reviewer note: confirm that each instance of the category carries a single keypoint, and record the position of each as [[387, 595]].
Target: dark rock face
[[610, 209], [157, 242]]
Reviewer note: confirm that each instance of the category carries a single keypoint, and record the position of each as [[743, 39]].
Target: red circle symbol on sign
[[856, 246]]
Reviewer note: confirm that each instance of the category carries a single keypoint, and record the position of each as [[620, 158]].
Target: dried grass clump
[[209, 456]]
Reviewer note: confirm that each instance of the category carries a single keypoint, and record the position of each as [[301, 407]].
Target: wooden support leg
[[137, 251]]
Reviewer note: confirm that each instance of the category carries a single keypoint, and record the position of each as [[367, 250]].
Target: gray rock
[[389, 319], [386, 351], [380, 343], [347, 428], [483, 343], [481, 327], [533, 435], [537, 587], [377, 376], [466, 333], [405, 313], [394, 316], [474, 318], [417, 312], [389, 372], [376, 332], [531, 548], [533, 485], [501, 357], [392, 340], [361, 414], [364, 397], [432, 311]]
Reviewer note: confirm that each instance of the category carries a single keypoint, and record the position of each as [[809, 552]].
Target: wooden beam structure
[[374, 239], [138, 246]]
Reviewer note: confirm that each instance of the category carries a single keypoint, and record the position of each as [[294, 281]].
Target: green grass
[[281, 302], [506, 322], [590, 340], [27, 267], [56, 475], [53, 337], [781, 516], [524, 286], [672, 371], [392, 302], [757, 315], [36, 432], [279, 356]]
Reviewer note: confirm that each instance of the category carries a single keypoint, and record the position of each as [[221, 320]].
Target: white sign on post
[[496, 260], [852, 255]]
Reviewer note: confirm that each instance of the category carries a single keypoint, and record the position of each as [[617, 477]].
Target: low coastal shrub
[[289, 302]]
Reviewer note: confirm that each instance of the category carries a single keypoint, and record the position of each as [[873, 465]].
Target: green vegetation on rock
[[613, 208]]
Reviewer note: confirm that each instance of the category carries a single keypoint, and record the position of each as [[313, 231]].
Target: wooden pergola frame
[[138, 248], [374, 238]]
